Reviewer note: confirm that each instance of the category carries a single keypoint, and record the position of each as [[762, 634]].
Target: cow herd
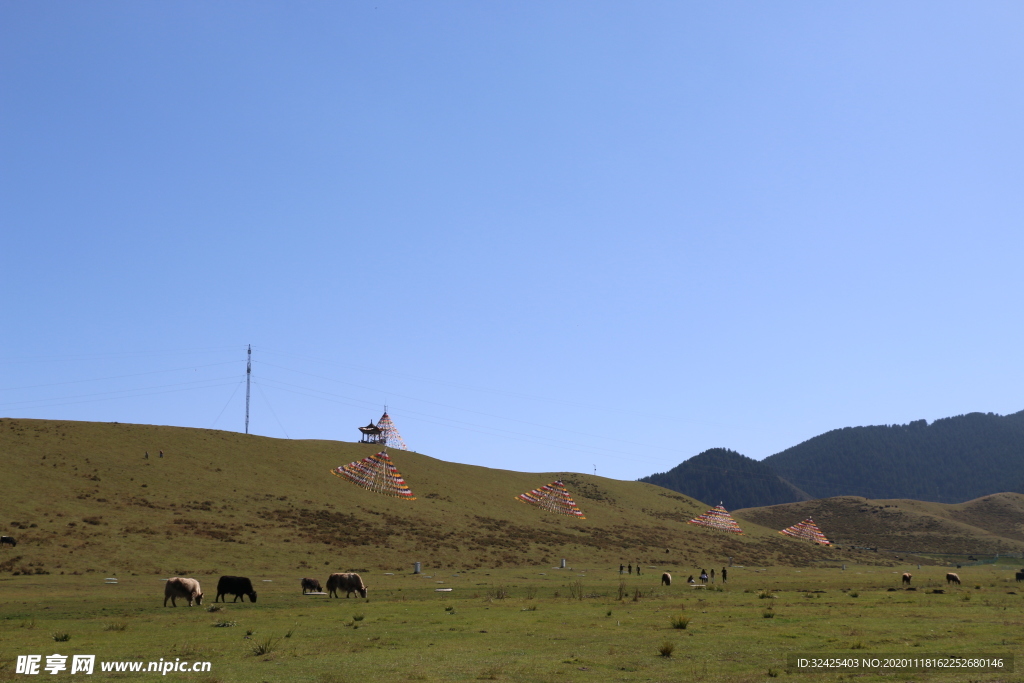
[[349, 582], [241, 587]]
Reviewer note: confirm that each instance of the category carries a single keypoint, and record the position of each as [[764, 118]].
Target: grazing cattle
[[906, 578], [350, 583], [182, 588], [312, 586], [666, 579], [8, 539], [952, 578], [239, 586], [1020, 577]]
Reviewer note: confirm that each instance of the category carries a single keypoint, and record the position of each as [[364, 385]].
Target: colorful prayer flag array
[[554, 498], [389, 433], [377, 474], [717, 518], [808, 531]]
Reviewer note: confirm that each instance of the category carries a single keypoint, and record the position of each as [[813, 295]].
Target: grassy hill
[[79, 497], [985, 526]]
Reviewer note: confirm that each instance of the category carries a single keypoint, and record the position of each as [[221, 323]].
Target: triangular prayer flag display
[[553, 498], [717, 518], [389, 433], [808, 531], [377, 474]]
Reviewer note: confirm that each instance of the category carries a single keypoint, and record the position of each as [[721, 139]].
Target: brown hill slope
[[80, 497], [988, 525]]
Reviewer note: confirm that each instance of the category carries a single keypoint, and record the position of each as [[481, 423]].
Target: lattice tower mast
[[248, 377]]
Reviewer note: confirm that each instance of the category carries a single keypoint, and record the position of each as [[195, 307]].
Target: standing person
[[723, 574], [638, 568], [622, 569], [712, 575], [703, 576], [161, 454], [146, 456], [630, 569]]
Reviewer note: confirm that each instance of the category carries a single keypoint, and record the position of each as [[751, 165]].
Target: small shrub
[[531, 592], [358, 617], [289, 632], [609, 613], [857, 645], [966, 597], [622, 589], [768, 613], [116, 626], [765, 594], [680, 621], [62, 636], [576, 589], [854, 594], [224, 623], [666, 649], [528, 608], [449, 608], [772, 673], [637, 595], [499, 592], [250, 631], [214, 608], [263, 647]]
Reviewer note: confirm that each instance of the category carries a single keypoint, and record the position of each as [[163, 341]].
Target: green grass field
[[524, 624], [85, 505]]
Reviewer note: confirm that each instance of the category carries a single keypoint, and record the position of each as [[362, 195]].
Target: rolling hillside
[[79, 497], [985, 526]]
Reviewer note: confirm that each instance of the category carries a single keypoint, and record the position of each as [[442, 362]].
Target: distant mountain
[[952, 460], [720, 475]]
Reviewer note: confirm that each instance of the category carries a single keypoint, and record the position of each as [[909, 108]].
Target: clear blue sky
[[549, 235]]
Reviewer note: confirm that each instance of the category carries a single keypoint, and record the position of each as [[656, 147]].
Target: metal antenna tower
[[248, 376]]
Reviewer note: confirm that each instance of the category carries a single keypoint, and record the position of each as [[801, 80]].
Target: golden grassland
[[989, 525], [80, 497]]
